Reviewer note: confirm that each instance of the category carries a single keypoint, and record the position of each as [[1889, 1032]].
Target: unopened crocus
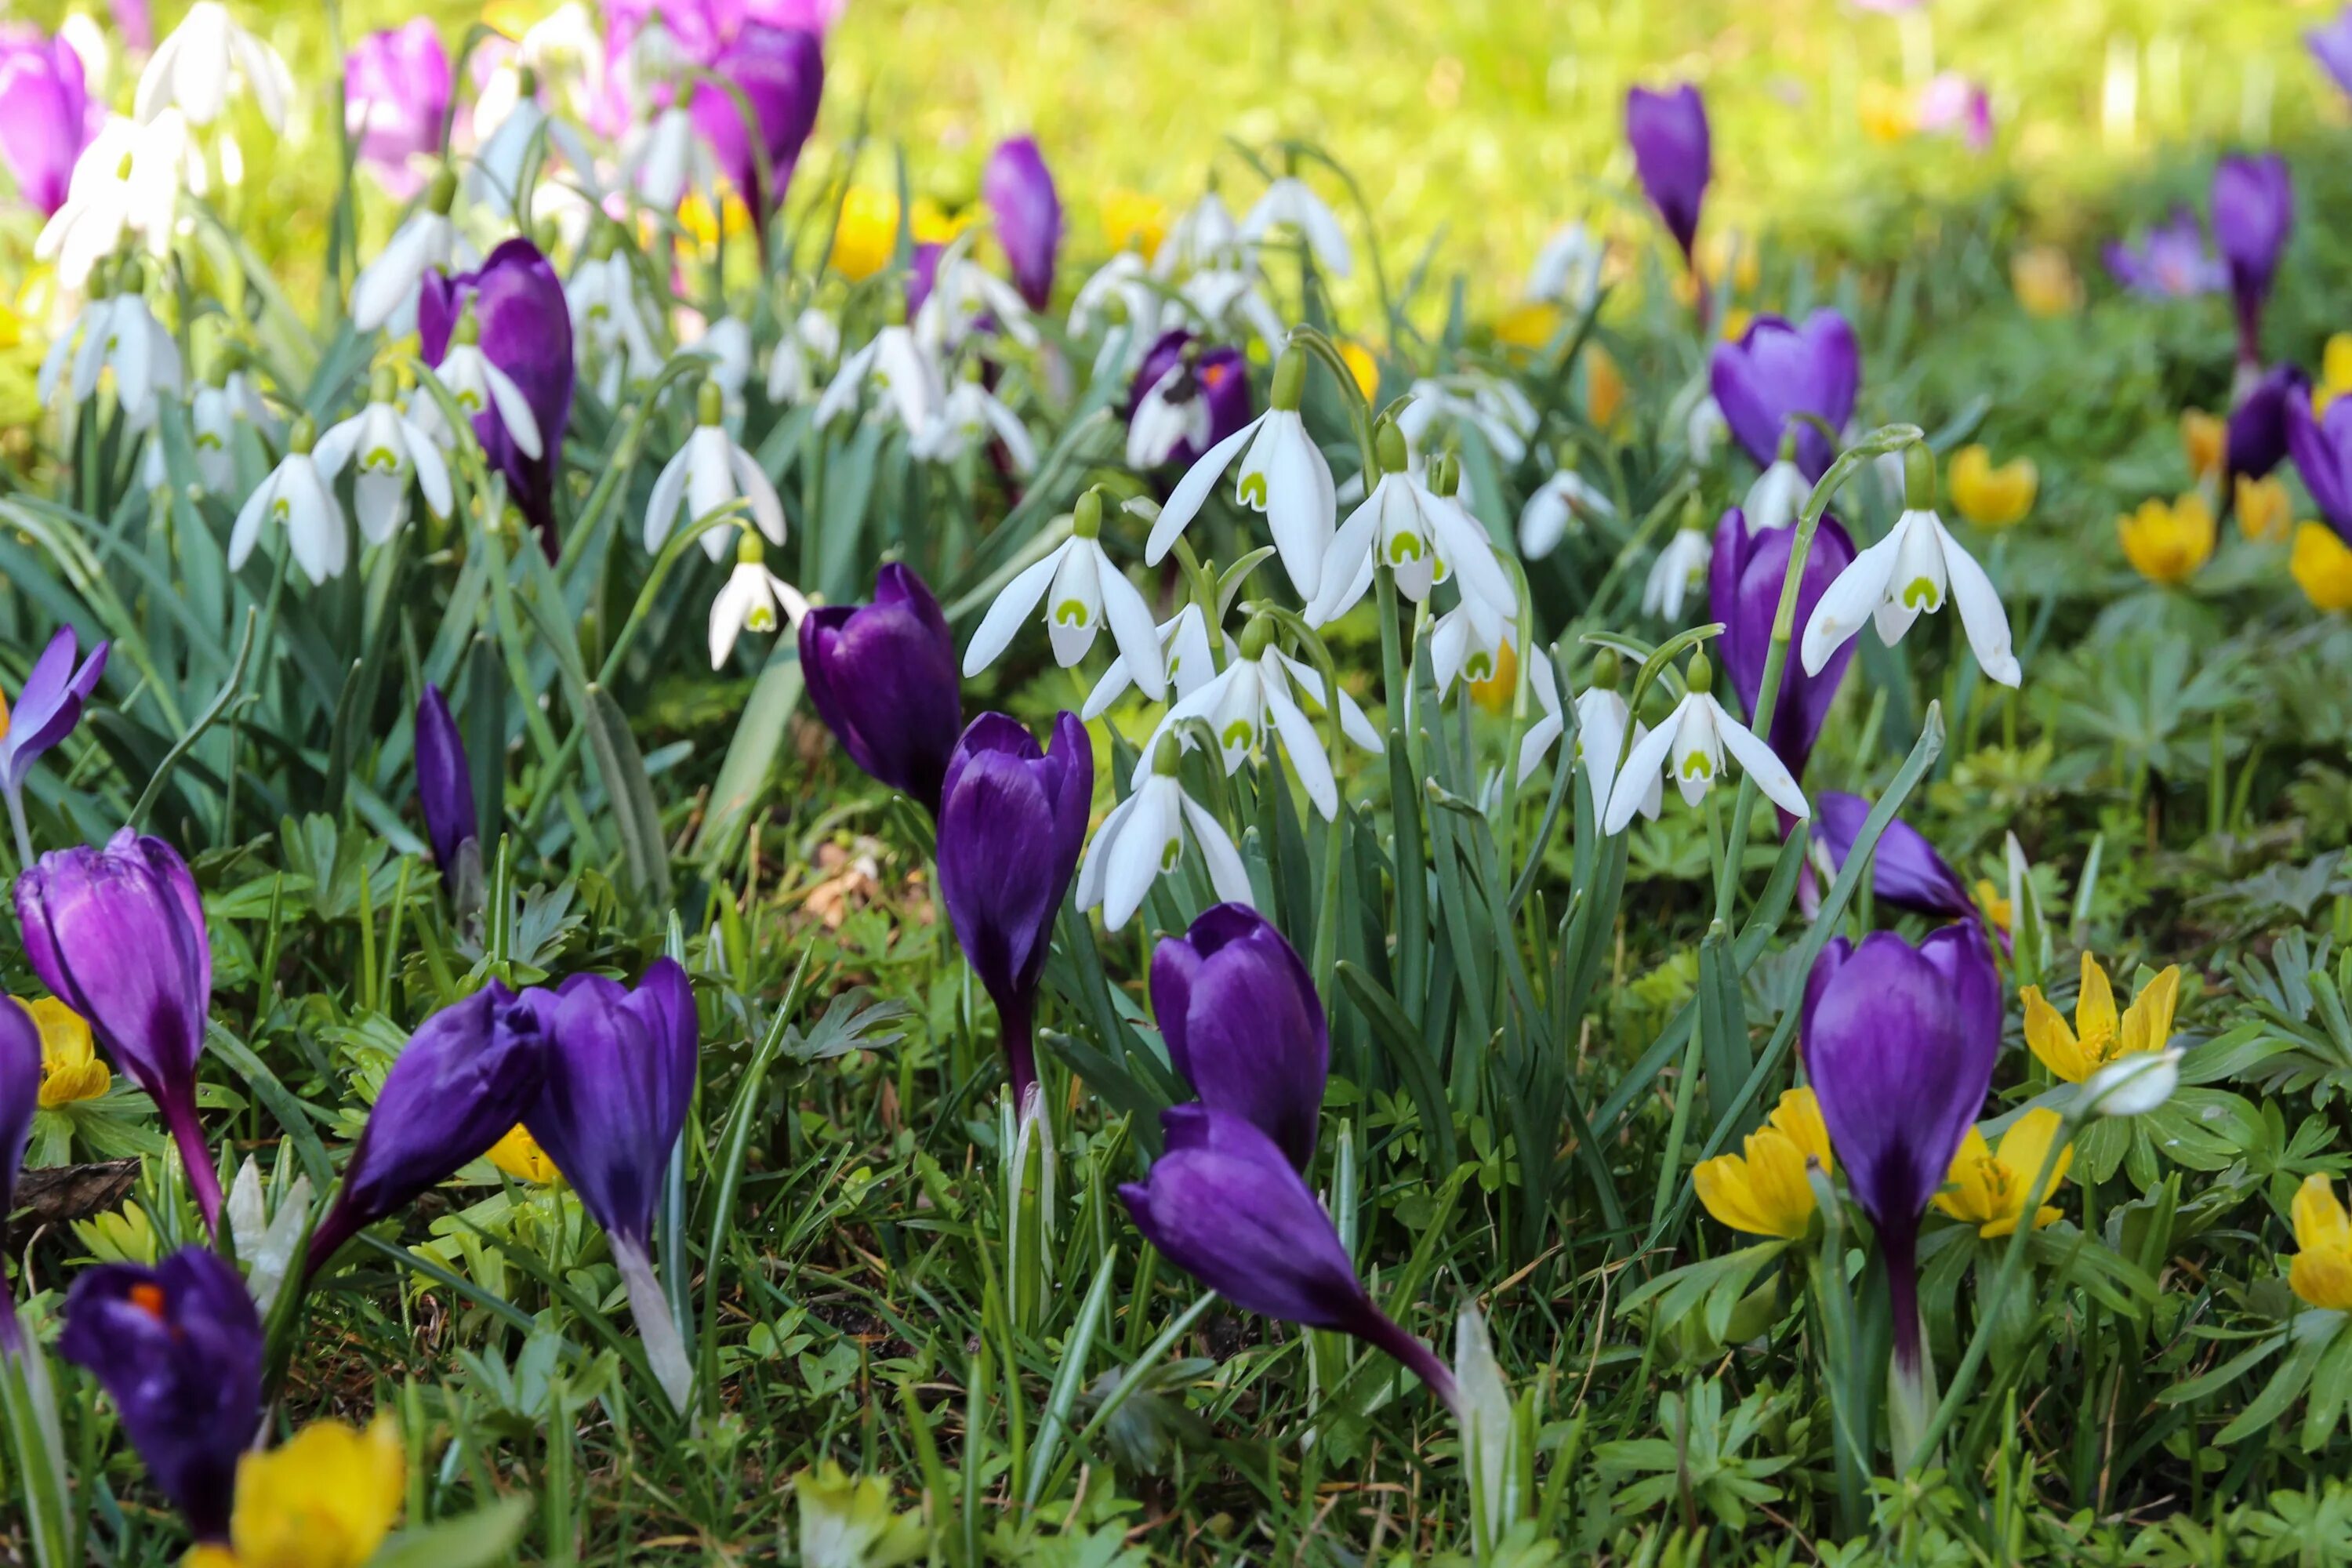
[[2320, 446], [2253, 214], [1904, 869], [468, 1074], [44, 115], [1674, 156], [1899, 1044], [1011, 820], [620, 1072], [1223, 1204], [47, 707], [780, 73], [178, 1349], [1781, 373], [1242, 1024], [396, 87], [2332, 47], [118, 934], [20, 1095], [1187, 396], [2169, 262], [883, 678], [526, 331], [1743, 582], [1019, 191], [444, 789]]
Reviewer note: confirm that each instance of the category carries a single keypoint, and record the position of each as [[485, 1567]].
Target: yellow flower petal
[[1131, 220], [2147, 1023], [520, 1156], [2322, 567], [1763, 1192], [2166, 544], [2263, 509], [2204, 436], [2323, 1278], [2095, 1008], [2047, 1034], [70, 1068], [1363, 367], [1992, 497], [1996, 908], [1529, 325], [2321, 1271], [1604, 387], [1799, 1117], [1990, 1190], [2044, 281], [325, 1499], [2320, 1221]]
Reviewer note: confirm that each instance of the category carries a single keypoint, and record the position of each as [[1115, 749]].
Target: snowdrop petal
[[1012, 606], [1849, 601], [1763, 763], [1981, 614], [1227, 875], [1305, 748], [1184, 501], [1096, 870], [1131, 627], [1144, 847], [767, 511], [1644, 767], [669, 494]]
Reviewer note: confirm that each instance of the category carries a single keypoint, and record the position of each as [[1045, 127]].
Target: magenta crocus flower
[[2169, 262], [1951, 102], [2253, 214], [47, 707], [1744, 581], [396, 87], [1904, 869], [526, 323], [1777, 371], [815, 16], [2332, 47], [2257, 435], [1674, 156], [1019, 190], [44, 115], [2320, 446], [1242, 1024], [883, 678], [780, 70]]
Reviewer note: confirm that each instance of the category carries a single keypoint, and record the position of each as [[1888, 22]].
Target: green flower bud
[[1388, 442], [303, 436], [1699, 674], [1604, 674], [383, 387], [1163, 759], [1257, 636], [1290, 379], [1918, 478], [710, 403], [748, 549], [1085, 518], [1444, 475], [442, 194]]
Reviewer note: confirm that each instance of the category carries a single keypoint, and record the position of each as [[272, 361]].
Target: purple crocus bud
[[1224, 1205], [883, 678], [44, 115], [48, 706], [922, 273], [1779, 371], [526, 325], [466, 1076], [2332, 47], [1673, 155], [118, 934], [396, 87], [620, 1071], [1904, 869], [178, 1350], [1012, 821], [1187, 397], [2170, 262], [1898, 1046], [445, 786], [782, 71], [1019, 191], [1244, 1025], [1743, 585], [2253, 212], [133, 20], [2321, 447], [817, 15], [20, 1095], [2257, 431]]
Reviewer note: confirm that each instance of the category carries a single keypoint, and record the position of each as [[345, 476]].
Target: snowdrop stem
[[1360, 411], [1411, 891]]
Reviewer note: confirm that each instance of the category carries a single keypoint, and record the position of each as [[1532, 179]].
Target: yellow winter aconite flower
[[2321, 1271], [1529, 325], [2334, 373], [2263, 510], [2204, 437], [1132, 220], [1996, 907], [70, 1068], [2322, 565], [2168, 543], [325, 1499], [520, 1156], [695, 217], [1992, 497], [867, 235], [1885, 111], [1764, 1191], [2099, 1035], [1604, 388], [1987, 1189], [1362, 366], [2044, 281], [847, 1519]]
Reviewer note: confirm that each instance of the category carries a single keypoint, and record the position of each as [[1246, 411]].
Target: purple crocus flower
[[1743, 585], [1898, 1046], [1673, 155], [782, 71], [20, 1095], [2257, 431], [1904, 869], [2321, 447], [1019, 191], [517, 301], [48, 706], [817, 15], [396, 87], [2332, 47], [1187, 396], [883, 677], [922, 273], [1012, 821], [2170, 261], [445, 787], [466, 1076], [2253, 212], [178, 1350], [132, 20], [1224, 1205], [1778, 370], [1244, 1026], [44, 115], [118, 934]]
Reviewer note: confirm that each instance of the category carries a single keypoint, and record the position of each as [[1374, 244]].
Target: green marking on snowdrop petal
[[1071, 613], [1169, 851], [1405, 547], [1236, 735], [1921, 593], [1252, 491], [1696, 766]]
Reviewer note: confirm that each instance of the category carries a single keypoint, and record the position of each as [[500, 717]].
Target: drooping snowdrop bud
[[1909, 574], [385, 292], [1773, 499], [1083, 591], [754, 600], [119, 334], [297, 499], [191, 70], [1601, 716], [805, 349], [895, 365], [1690, 746], [1568, 269], [479, 386], [1290, 203], [1680, 567], [710, 473], [963, 295], [971, 414], [1206, 236], [1143, 840], [1551, 721], [127, 181], [1281, 474], [1418, 532], [1565, 500], [602, 301], [1184, 642], [391, 448], [2133, 1085], [662, 161]]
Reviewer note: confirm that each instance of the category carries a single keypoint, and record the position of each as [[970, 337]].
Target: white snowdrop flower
[[1125, 279], [385, 292], [1143, 838], [1601, 719], [754, 599], [115, 332], [725, 345], [963, 291], [709, 473], [524, 133], [192, 69], [1568, 268], [1251, 694], [1083, 591], [389, 449], [1499, 410], [1774, 500], [1550, 722], [894, 365], [297, 497], [601, 296], [81, 33], [219, 406], [1909, 572], [1183, 645], [1690, 746], [1680, 567], [1205, 235], [475, 384], [1228, 300], [2133, 1085], [968, 416], [1467, 643], [127, 181], [667, 157], [1290, 203], [1281, 474], [1565, 498], [809, 345], [1704, 430], [1419, 532]]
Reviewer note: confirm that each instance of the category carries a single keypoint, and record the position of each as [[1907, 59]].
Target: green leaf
[[645, 852], [475, 1541]]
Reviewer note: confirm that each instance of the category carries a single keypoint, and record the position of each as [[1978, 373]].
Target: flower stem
[[665, 1350], [203, 1182]]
